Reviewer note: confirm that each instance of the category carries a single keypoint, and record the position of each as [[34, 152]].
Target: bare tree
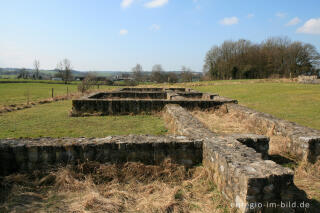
[[172, 77], [273, 58], [64, 70], [186, 74], [23, 73], [158, 74], [137, 72], [88, 82], [36, 65]]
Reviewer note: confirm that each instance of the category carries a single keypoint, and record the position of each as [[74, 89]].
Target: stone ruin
[[144, 100], [238, 163], [306, 79]]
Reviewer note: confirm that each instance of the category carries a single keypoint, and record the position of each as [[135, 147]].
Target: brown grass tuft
[[131, 187]]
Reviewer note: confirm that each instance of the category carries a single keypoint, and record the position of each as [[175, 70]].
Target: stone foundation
[[302, 142], [181, 122], [144, 100], [238, 162], [29, 154], [239, 172]]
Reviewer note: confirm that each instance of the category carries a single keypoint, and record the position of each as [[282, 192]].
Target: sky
[[115, 35]]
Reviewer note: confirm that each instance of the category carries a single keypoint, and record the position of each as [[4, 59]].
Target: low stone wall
[[129, 95], [29, 154], [313, 79], [181, 122], [260, 143], [238, 170], [143, 89], [303, 142], [143, 100], [82, 107]]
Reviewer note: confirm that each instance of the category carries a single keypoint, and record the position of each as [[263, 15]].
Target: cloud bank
[[126, 3], [229, 21], [156, 3], [123, 32], [293, 21], [312, 26]]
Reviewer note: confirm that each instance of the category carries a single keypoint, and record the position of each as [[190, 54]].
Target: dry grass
[[307, 176], [132, 187]]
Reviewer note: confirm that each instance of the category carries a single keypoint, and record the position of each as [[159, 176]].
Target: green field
[[52, 120], [291, 101], [18, 93]]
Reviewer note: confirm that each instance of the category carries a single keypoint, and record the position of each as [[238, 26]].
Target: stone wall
[[129, 95], [313, 79], [144, 89], [29, 154], [181, 122], [83, 107], [190, 95], [239, 172], [144, 100], [302, 142]]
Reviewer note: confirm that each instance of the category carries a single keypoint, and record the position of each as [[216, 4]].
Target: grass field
[[17, 93], [295, 102], [52, 120], [291, 101]]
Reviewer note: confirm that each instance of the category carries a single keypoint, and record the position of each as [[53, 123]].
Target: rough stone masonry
[[238, 163], [239, 171]]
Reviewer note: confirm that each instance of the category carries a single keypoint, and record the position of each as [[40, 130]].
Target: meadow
[[20, 93], [287, 100], [295, 102], [53, 120]]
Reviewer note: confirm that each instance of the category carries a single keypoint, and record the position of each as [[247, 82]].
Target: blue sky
[[117, 34]]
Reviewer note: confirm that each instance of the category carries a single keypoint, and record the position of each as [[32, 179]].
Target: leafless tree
[[172, 77], [137, 72], [186, 74], [64, 70], [88, 82], [23, 73], [158, 74], [274, 57], [36, 65]]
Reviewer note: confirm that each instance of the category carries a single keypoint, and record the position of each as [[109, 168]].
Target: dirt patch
[[131, 187]]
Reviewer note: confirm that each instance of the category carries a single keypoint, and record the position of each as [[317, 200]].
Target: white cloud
[[312, 26], [281, 15], [156, 3], [126, 3], [197, 5], [123, 32], [229, 21], [293, 21], [251, 15], [154, 27]]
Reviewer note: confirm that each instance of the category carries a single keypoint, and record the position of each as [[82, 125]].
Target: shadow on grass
[[284, 161]]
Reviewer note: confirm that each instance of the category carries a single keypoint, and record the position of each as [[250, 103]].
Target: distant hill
[[50, 73], [15, 71]]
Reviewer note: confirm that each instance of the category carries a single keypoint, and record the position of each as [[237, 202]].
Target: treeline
[[159, 75], [275, 57]]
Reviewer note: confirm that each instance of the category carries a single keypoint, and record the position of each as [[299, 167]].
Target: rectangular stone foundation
[[30, 154], [125, 107], [239, 172], [303, 142], [143, 100]]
